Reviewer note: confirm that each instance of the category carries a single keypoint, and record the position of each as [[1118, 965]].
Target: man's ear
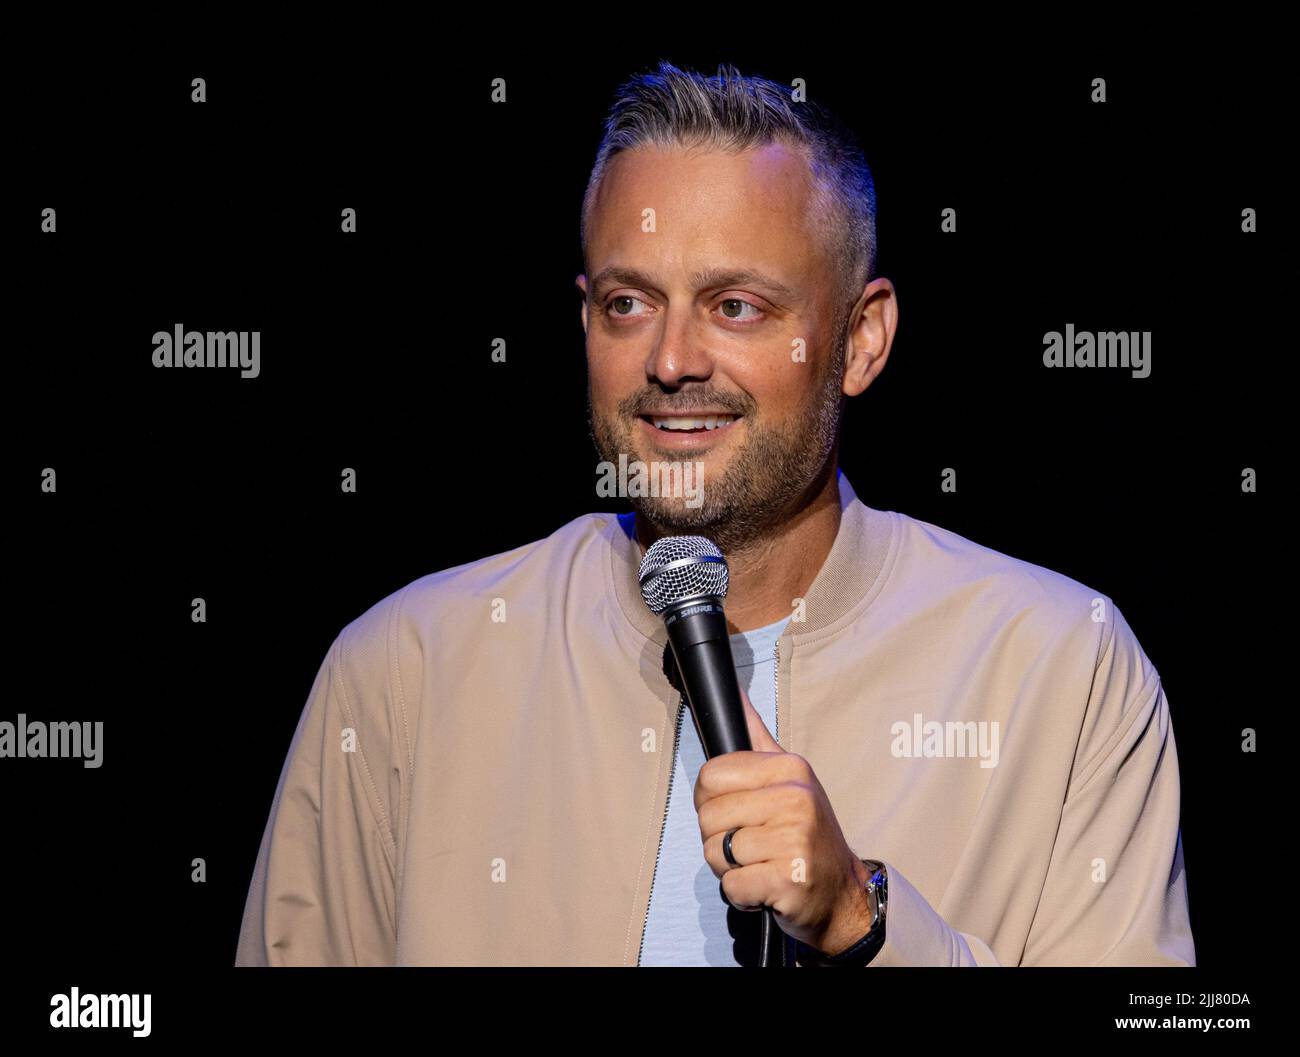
[[871, 335], [581, 282]]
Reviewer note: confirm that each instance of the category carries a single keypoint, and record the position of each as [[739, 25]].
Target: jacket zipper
[[681, 708], [776, 691], [776, 719], [672, 768]]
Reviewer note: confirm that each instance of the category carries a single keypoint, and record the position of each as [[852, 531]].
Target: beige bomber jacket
[[480, 773]]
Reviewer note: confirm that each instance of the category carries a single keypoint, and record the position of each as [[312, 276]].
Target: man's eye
[[732, 308], [615, 304]]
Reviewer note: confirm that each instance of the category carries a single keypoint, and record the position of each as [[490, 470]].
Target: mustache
[[635, 406]]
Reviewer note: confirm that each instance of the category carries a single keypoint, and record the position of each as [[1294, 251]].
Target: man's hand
[[794, 857]]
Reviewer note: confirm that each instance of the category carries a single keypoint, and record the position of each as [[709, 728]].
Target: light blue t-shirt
[[687, 924]]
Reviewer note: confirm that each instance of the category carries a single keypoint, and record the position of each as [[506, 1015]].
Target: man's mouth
[[690, 424]]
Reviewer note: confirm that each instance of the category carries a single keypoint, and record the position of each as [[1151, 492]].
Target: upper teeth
[[710, 422]]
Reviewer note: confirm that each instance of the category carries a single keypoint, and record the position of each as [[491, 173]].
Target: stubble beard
[[762, 486]]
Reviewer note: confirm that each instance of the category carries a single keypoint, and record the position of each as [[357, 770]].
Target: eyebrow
[[705, 278]]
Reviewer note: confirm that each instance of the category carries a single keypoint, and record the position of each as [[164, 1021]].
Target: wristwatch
[[869, 946]]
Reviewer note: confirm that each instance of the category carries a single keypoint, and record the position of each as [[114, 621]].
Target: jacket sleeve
[[322, 891], [1115, 891]]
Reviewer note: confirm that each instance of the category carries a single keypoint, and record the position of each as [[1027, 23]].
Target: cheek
[[772, 371], [604, 394], [613, 375], [600, 371], [778, 389]]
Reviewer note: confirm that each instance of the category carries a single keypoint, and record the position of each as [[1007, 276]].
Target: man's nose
[[679, 354]]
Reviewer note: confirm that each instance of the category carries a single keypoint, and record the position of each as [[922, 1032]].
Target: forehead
[[756, 203]]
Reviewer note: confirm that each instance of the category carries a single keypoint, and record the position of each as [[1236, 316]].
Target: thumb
[[760, 738]]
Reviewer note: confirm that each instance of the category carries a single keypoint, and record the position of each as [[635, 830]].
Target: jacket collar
[[851, 572]]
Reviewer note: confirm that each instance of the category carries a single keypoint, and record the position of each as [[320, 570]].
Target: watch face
[[879, 886]]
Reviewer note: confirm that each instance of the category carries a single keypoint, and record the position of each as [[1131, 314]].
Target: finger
[[757, 806], [760, 738], [722, 894], [745, 771], [750, 845], [749, 887]]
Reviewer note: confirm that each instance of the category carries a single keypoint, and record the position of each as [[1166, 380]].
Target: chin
[[673, 515]]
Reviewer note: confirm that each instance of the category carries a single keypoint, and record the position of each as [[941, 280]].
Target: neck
[[767, 575]]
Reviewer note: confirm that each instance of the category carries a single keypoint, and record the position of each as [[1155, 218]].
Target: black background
[[176, 484]]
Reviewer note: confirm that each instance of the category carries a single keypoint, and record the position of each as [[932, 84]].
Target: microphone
[[684, 579]]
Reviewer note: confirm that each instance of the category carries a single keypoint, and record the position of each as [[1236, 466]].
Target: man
[[958, 758]]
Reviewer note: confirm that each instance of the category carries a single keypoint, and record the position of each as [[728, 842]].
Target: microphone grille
[[678, 567]]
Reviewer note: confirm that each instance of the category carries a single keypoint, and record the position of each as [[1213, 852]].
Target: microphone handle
[[697, 632], [706, 675]]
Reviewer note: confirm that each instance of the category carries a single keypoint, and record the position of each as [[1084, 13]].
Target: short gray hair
[[732, 112]]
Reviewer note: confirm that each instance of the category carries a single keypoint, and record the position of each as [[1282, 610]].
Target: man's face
[[674, 329]]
